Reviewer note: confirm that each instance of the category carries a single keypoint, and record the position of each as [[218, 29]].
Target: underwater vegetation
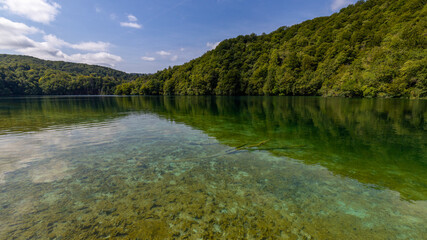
[[171, 168]]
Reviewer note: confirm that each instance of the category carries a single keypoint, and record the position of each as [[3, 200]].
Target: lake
[[84, 167]]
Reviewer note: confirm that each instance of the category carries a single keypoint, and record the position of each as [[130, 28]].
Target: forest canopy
[[374, 48], [23, 75]]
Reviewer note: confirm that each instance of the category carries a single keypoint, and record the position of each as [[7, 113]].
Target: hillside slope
[[375, 48], [23, 75]]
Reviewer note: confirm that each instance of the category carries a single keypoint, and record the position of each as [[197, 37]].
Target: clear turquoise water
[[212, 168]]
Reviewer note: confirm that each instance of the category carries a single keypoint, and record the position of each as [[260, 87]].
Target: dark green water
[[212, 167]]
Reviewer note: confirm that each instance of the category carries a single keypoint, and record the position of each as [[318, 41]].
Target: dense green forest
[[374, 48], [23, 75]]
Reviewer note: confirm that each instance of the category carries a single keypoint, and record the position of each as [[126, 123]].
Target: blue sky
[[142, 35]]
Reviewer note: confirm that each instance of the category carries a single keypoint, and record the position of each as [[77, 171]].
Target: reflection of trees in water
[[379, 141], [34, 114]]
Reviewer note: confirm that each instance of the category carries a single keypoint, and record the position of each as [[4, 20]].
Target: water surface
[[212, 167]]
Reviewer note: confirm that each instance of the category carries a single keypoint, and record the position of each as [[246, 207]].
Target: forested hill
[[23, 75], [376, 48]]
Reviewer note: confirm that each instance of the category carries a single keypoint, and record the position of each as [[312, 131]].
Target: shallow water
[[206, 167]]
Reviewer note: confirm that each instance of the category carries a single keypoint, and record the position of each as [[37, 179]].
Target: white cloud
[[84, 46], [149, 59], [43, 11], [11, 27], [131, 25], [212, 45], [338, 4], [182, 49], [53, 41], [132, 18], [174, 58], [91, 46], [113, 16], [101, 58], [44, 51], [163, 53], [98, 10], [14, 36], [133, 22]]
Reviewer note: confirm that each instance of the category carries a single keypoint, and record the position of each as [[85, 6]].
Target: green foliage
[[375, 48], [22, 75]]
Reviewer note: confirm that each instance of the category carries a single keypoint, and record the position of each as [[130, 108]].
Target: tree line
[[374, 48], [23, 75]]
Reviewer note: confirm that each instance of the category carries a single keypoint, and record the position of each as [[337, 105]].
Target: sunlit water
[[205, 167]]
